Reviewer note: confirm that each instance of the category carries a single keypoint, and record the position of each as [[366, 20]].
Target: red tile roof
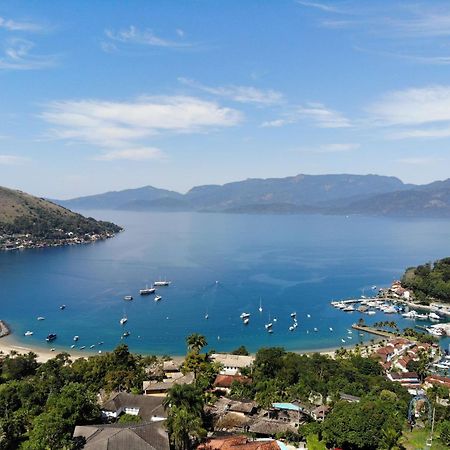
[[439, 380], [238, 443], [225, 381]]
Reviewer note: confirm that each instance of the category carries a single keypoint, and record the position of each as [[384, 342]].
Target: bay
[[220, 265]]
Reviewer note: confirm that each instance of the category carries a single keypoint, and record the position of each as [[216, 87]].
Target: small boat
[[291, 328], [206, 316], [315, 329], [28, 333], [92, 346], [72, 346], [62, 307], [126, 334], [244, 315], [274, 319], [52, 349], [374, 288], [349, 308], [50, 337], [434, 316], [268, 325], [41, 318], [246, 321], [371, 313], [260, 309], [161, 283], [270, 330], [308, 315], [349, 337], [295, 324], [123, 320], [128, 298], [422, 317], [147, 291], [294, 314], [101, 343], [343, 341], [158, 298], [331, 329], [82, 347], [75, 338]]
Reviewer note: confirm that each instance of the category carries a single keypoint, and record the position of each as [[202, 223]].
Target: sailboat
[[147, 290], [268, 326], [206, 315], [260, 309]]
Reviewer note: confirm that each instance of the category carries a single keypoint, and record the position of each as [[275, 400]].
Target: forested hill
[[429, 281], [23, 214]]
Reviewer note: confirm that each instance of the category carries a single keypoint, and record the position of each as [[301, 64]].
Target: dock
[[375, 331], [4, 329]]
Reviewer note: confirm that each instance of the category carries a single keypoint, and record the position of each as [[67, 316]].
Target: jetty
[[4, 329], [375, 331]]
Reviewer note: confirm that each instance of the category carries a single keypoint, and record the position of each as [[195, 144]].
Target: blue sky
[[98, 96]]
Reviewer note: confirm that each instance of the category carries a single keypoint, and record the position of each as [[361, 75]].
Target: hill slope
[[45, 222]]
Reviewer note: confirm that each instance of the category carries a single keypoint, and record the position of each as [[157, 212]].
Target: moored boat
[[147, 291], [128, 297], [51, 337]]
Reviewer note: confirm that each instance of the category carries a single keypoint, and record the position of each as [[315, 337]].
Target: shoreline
[[10, 343]]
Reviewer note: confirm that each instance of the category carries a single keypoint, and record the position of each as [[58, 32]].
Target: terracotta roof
[[148, 436], [404, 375], [438, 379], [225, 381], [238, 443]]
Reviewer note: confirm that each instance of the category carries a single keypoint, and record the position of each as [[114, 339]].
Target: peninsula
[[31, 222]]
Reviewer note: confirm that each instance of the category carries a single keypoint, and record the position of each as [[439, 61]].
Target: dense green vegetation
[[429, 281]]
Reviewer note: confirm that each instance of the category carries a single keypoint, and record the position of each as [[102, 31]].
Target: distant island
[[31, 222], [341, 194]]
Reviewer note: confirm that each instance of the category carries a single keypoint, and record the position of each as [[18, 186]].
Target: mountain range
[[325, 194]]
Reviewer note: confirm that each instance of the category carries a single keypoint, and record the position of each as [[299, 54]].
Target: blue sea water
[[218, 264]]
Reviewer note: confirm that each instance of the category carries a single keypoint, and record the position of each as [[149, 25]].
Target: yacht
[[436, 331], [244, 315], [28, 333], [147, 291], [158, 298], [128, 297], [434, 316], [349, 308], [123, 320], [389, 310], [50, 337], [161, 283], [422, 317], [41, 318]]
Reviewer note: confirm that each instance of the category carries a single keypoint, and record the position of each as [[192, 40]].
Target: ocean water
[[218, 264]]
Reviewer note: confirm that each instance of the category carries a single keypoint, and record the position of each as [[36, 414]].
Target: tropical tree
[[184, 427], [196, 342], [186, 396]]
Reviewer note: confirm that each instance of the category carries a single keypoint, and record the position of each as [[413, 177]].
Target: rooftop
[[229, 360], [149, 407]]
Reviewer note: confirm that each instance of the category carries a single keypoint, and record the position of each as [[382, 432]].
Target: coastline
[[10, 343]]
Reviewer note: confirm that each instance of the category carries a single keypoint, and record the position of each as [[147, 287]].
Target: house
[[406, 379], [238, 443], [232, 364], [160, 388], [349, 398], [147, 436], [320, 412], [232, 415], [437, 380], [149, 409], [224, 382]]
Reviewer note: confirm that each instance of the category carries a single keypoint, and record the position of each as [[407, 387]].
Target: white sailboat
[[260, 309]]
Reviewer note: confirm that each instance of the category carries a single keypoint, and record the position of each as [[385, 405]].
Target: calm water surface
[[293, 263]]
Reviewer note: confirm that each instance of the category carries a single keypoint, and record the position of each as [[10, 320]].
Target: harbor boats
[[126, 334], [41, 318], [206, 316], [51, 337], [389, 310], [92, 346], [294, 314], [147, 291], [422, 317], [260, 309], [246, 321], [123, 320], [158, 298], [315, 330], [82, 347], [62, 307], [410, 314], [349, 308], [244, 315], [72, 346], [291, 328], [76, 338], [128, 298], [371, 312], [436, 331], [28, 333]]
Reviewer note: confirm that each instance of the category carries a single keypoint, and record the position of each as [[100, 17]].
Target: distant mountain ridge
[[326, 194]]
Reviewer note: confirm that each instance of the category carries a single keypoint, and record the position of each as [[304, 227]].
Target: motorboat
[[268, 325], [158, 298], [82, 347], [244, 315], [161, 283], [62, 307], [260, 309], [128, 298], [126, 334], [246, 321], [294, 314], [75, 338], [147, 291], [123, 320], [51, 337], [28, 333], [434, 316], [41, 318]]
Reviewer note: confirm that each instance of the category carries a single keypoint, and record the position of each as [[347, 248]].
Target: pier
[[4, 329], [375, 331]]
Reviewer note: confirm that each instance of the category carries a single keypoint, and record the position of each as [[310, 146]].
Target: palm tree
[[185, 396], [389, 440], [196, 342], [184, 428]]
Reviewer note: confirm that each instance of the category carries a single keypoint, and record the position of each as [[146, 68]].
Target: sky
[[98, 96]]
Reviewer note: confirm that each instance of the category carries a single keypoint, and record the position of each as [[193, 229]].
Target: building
[[160, 388], [238, 443], [147, 436], [232, 364], [224, 382], [349, 398], [149, 409]]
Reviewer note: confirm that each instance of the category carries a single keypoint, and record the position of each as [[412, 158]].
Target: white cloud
[[17, 55], [131, 154], [329, 148], [133, 35], [418, 160], [317, 113], [13, 25], [241, 94], [12, 160], [120, 127], [316, 5]]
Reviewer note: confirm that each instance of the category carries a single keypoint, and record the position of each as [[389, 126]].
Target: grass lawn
[[418, 439], [313, 443]]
